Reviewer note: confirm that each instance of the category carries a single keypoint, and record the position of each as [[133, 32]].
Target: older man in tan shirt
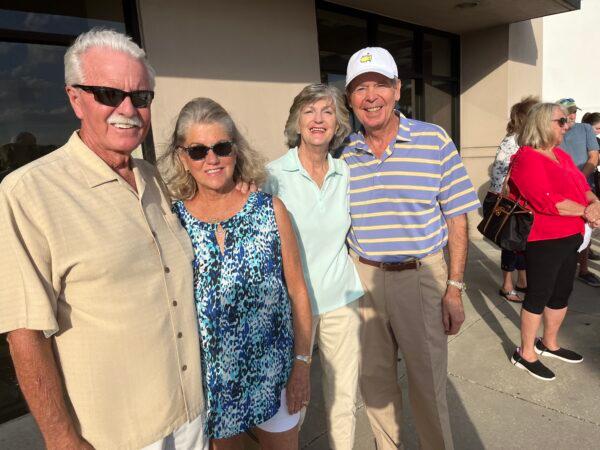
[[96, 273]]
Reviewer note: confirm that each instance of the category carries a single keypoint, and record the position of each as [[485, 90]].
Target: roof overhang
[[462, 16]]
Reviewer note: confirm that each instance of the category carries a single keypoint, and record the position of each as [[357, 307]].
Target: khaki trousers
[[402, 310], [337, 334]]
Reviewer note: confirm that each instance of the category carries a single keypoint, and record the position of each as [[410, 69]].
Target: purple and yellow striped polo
[[399, 204]]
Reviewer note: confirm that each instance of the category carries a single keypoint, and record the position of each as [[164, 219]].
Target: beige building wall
[[251, 57], [499, 66], [525, 60]]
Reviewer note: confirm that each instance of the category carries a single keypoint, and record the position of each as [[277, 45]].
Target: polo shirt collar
[[291, 163], [403, 134], [95, 170], [404, 128]]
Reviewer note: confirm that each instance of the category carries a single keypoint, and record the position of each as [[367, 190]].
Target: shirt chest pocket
[[177, 230]]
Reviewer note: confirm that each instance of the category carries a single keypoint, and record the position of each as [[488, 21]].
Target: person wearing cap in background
[[580, 142], [409, 195]]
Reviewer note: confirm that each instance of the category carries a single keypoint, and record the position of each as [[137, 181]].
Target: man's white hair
[[99, 37]]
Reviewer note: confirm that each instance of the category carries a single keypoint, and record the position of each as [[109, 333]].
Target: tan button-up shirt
[[108, 272]]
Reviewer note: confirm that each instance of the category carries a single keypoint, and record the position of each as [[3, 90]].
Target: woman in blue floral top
[[509, 261], [253, 308]]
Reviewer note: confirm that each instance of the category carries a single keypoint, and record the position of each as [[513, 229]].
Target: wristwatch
[[306, 359], [460, 285]]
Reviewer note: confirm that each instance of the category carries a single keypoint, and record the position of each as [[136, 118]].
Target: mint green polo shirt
[[321, 220]]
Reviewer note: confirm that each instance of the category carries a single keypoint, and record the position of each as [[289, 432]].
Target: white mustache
[[120, 119]]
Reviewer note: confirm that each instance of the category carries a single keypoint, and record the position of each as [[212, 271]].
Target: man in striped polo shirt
[[409, 195]]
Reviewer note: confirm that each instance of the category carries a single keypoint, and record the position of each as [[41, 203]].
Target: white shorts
[[189, 436], [282, 420]]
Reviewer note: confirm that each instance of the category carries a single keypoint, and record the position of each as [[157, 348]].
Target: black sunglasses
[[561, 122], [114, 97], [199, 152]]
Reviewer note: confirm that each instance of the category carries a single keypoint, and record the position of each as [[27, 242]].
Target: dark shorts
[[551, 266]]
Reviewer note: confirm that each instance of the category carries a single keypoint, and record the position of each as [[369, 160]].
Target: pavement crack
[[549, 408]]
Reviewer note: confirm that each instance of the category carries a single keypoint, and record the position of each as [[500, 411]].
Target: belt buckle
[[417, 262]]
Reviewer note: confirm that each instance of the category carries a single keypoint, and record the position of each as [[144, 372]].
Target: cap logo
[[366, 58]]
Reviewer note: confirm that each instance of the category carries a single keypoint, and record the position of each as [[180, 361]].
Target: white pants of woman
[[337, 334]]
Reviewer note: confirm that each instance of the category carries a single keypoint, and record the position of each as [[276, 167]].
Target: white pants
[[337, 334], [189, 436]]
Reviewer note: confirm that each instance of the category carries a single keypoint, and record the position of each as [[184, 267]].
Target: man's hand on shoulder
[[453, 314]]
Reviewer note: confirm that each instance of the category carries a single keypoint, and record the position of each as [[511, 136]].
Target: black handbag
[[506, 222]]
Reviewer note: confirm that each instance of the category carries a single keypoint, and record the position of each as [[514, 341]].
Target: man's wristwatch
[[306, 359], [460, 285]]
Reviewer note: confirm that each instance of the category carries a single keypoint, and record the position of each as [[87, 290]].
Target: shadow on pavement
[[483, 277]]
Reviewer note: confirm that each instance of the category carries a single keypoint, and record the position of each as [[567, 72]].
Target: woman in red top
[[548, 180]]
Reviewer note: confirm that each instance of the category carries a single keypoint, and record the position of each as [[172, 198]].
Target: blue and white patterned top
[[508, 147], [244, 316]]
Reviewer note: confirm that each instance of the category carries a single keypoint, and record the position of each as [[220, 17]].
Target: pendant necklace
[[219, 231]]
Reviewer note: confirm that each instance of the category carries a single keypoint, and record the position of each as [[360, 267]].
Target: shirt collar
[[404, 128], [403, 134], [95, 170], [291, 163]]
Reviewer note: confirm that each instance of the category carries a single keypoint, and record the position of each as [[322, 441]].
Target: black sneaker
[[589, 278], [562, 353], [536, 369]]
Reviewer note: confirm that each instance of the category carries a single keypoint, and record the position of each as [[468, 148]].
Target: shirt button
[[180, 335], [174, 302], [184, 368], [167, 270]]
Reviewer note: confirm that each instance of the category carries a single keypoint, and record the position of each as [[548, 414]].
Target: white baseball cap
[[371, 59]]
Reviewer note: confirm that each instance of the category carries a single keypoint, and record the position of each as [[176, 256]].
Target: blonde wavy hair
[[309, 95], [249, 167], [537, 130]]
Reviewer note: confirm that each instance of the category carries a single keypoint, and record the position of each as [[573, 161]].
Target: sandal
[[507, 294], [521, 289]]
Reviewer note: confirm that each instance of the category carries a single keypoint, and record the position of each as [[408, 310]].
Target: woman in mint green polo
[[314, 188]]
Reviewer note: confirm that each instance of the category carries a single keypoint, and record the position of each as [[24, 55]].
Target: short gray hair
[[309, 95], [99, 37], [249, 167], [537, 131]]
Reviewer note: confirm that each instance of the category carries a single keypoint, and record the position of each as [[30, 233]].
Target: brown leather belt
[[393, 267]]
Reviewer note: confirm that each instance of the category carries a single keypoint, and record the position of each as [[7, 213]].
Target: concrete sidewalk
[[492, 404]]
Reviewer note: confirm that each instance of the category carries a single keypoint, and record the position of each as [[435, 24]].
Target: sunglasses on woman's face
[[198, 152], [561, 122], [114, 97]]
